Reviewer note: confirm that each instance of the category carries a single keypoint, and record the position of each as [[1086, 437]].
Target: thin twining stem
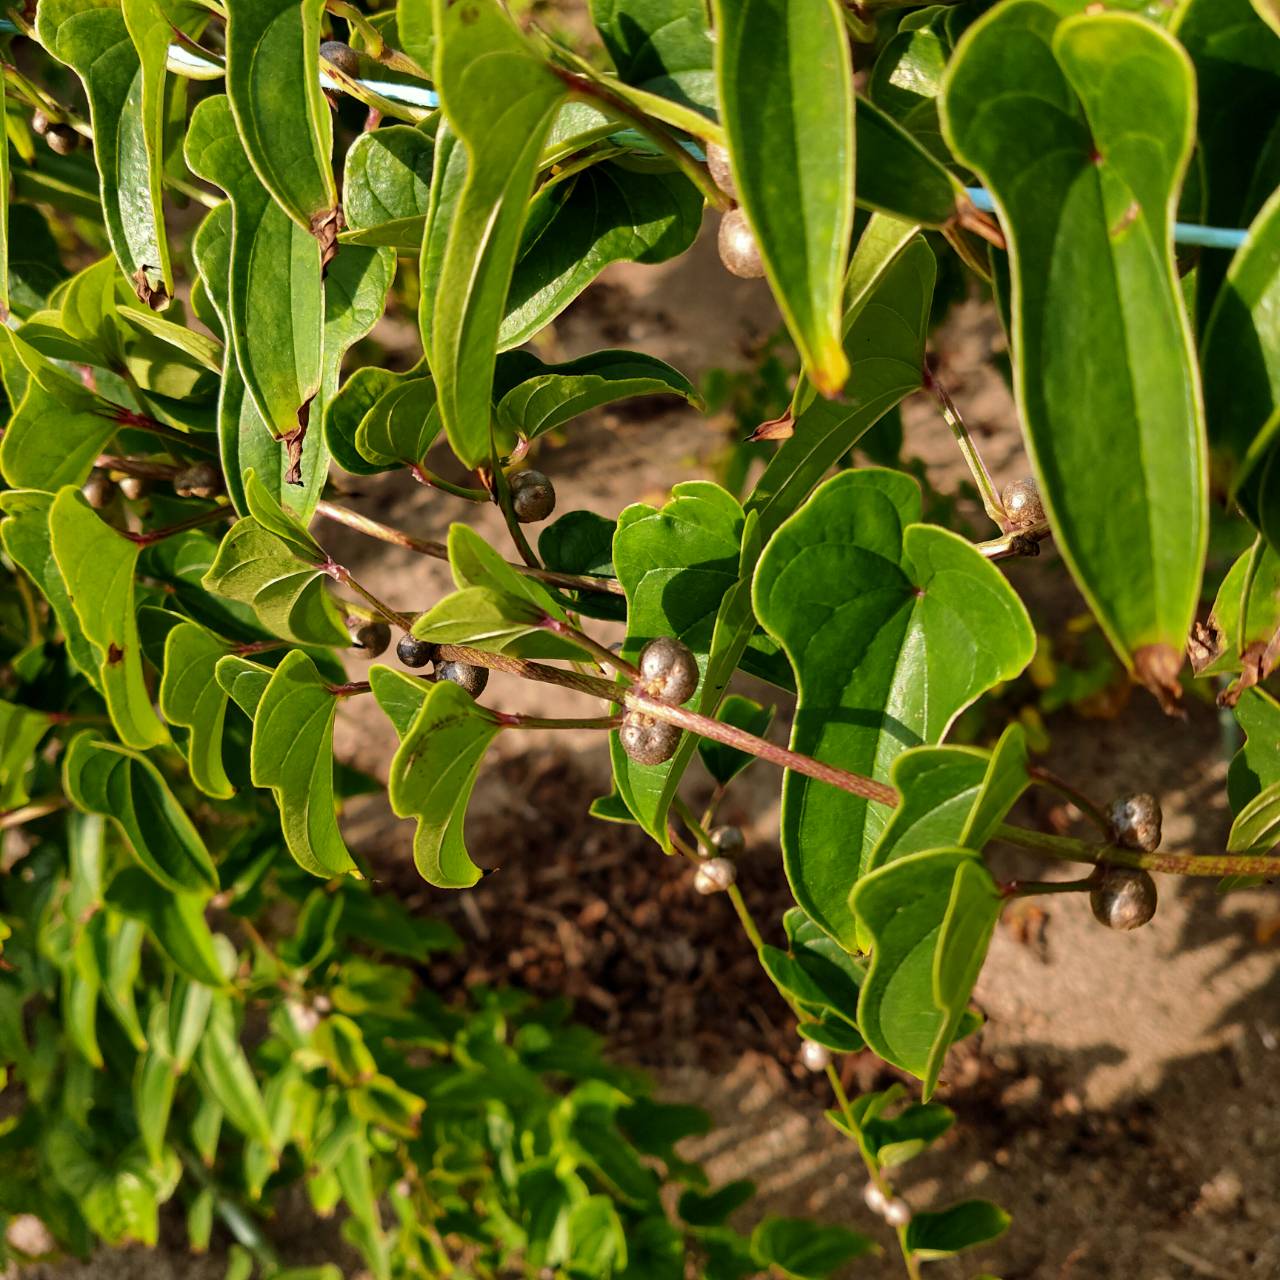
[[425, 547], [981, 477]]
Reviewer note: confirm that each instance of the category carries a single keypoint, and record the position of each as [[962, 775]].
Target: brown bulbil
[[646, 740], [721, 171], [343, 57], [1022, 504], [739, 250], [374, 638], [98, 490], [714, 876], [135, 488], [1123, 897], [414, 652], [729, 841], [533, 496], [62, 139], [1135, 821], [668, 670], [464, 675], [200, 480]]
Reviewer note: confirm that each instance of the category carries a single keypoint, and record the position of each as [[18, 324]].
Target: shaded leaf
[[805, 1250], [962, 1226], [386, 185], [725, 763], [176, 921], [191, 697]]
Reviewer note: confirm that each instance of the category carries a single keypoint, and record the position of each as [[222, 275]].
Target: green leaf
[[176, 920], [611, 212], [190, 697], [930, 916], [415, 21], [1241, 356], [56, 428], [725, 763], [21, 730], [107, 778], [154, 1084], [548, 396], [484, 71], [229, 1078], [711, 1209], [97, 565], [893, 628], [292, 753], [805, 1250], [662, 47], [24, 533], [275, 296], [401, 426], [281, 580], [963, 1226], [900, 1138], [273, 83], [789, 122], [814, 971], [677, 564], [386, 185], [1243, 623], [897, 175], [431, 777], [906, 82], [480, 617], [6, 183], [92, 38], [118, 947], [888, 295], [1237, 70], [1099, 108]]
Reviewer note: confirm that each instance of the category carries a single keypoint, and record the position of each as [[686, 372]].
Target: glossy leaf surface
[[892, 628], [786, 94], [1089, 128]]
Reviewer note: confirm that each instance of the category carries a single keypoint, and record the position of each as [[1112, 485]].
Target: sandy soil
[[1123, 1100]]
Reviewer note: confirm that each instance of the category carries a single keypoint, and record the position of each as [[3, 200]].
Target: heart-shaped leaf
[[804, 1250], [433, 772], [97, 566], [1099, 108], [790, 127], [930, 918], [942, 1234], [484, 70], [292, 753], [104, 777], [892, 629]]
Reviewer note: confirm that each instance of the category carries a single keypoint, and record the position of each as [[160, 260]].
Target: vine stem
[[437, 550], [596, 95], [145, 422], [982, 478], [1182, 864], [159, 535], [30, 812], [601, 653], [1050, 780], [340, 573]]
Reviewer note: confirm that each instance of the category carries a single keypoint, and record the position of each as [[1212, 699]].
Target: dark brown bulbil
[[200, 480], [414, 652], [668, 670], [464, 675], [1123, 897], [1135, 820], [533, 496], [374, 638], [646, 740]]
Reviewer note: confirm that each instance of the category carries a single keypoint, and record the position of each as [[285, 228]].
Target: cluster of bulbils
[[1125, 897], [61, 138], [200, 480], [375, 637], [739, 249]]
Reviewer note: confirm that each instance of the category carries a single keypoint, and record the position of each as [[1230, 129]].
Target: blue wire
[[1183, 232]]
